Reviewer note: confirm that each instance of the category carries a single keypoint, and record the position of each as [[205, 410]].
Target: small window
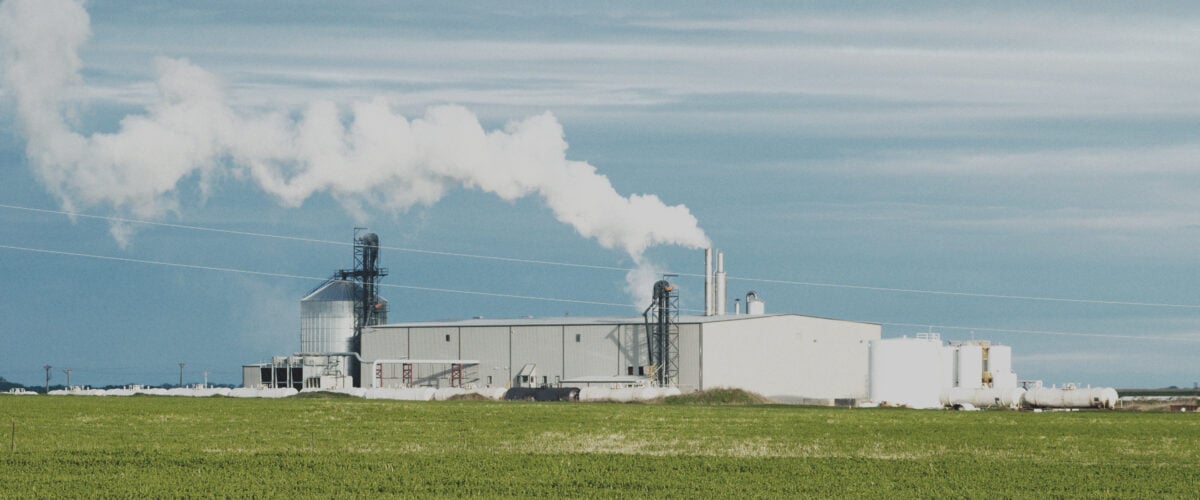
[[447, 337], [641, 370], [545, 380], [489, 380], [578, 337], [629, 370]]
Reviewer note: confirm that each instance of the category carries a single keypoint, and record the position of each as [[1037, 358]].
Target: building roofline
[[585, 321]]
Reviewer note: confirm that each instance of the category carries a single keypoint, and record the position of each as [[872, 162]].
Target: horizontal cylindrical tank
[[986, 397], [1069, 397], [906, 371]]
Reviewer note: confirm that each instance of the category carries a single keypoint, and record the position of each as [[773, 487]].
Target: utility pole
[[206, 379], [181, 374], [47, 367], [68, 372]]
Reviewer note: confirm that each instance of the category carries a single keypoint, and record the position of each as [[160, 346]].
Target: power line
[[973, 294], [315, 240], [994, 296], [553, 299], [1048, 332], [299, 277]]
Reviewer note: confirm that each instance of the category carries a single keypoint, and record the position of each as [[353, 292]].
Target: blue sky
[[1016, 150]]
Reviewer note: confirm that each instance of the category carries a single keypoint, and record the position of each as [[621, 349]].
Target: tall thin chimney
[[721, 306], [708, 282]]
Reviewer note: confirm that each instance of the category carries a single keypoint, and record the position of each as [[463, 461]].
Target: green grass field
[[322, 447]]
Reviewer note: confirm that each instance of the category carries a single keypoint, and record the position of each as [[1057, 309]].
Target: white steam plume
[[366, 155]]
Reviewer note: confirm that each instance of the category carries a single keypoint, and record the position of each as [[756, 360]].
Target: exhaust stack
[[720, 305], [714, 284], [708, 282]]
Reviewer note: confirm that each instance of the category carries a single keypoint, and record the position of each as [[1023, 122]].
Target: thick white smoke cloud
[[365, 155]]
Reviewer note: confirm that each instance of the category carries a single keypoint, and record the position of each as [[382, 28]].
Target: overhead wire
[[845, 286], [301, 277], [532, 297], [1192, 338], [313, 240]]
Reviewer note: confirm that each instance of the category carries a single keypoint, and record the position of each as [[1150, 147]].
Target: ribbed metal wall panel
[[541, 345], [632, 348], [433, 343], [689, 357], [326, 326], [591, 350], [489, 345], [384, 343]]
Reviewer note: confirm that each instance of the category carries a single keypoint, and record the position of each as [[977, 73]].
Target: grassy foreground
[[160, 446]]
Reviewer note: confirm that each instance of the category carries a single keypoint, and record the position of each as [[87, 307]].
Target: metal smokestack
[[708, 282], [720, 285]]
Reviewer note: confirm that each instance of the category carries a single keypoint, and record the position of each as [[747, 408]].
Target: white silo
[[327, 318], [1000, 365]]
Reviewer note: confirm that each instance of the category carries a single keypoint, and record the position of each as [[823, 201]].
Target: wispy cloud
[[1067, 357], [1046, 163], [949, 67]]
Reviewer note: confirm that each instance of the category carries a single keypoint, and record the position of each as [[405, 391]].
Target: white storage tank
[[754, 304], [949, 359], [986, 397], [969, 368], [1000, 365], [1071, 397], [906, 371], [999, 359]]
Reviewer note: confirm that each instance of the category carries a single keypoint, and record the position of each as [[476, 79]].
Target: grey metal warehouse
[[786, 357]]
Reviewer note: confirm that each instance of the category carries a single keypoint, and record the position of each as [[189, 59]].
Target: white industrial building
[[346, 343], [785, 357]]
